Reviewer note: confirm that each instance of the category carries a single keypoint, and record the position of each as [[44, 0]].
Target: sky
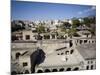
[[21, 10]]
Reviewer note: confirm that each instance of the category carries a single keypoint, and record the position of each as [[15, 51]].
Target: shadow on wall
[[37, 58]]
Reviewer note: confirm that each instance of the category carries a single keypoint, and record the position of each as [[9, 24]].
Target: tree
[[71, 32], [75, 23], [17, 26], [40, 29], [89, 20], [65, 26], [93, 31]]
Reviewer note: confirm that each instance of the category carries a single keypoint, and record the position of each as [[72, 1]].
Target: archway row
[[66, 52], [58, 70], [85, 41]]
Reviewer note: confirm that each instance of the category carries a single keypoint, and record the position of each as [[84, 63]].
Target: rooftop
[[27, 54], [88, 51], [59, 60]]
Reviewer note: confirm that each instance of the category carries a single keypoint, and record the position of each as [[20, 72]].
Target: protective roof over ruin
[[88, 51], [60, 60]]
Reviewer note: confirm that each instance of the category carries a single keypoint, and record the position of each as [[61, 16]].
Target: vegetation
[[91, 23], [75, 23], [40, 29], [93, 31], [89, 20], [76, 35], [71, 32], [17, 26], [65, 26]]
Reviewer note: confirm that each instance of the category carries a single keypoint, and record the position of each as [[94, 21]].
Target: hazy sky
[[21, 10]]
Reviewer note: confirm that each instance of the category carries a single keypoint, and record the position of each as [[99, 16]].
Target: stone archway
[[92, 41], [87, 67], [26, 72], [81, 41], [62, 53], [89, 41], [70, 43], [11, 57], [53, 36], [67, 52], [46, 36], [85, 41], [76, 69], [13, 73], [68, 69], [17, 55], [58, 54], [71, 52], [47, 70], [39, 71], [21, 72], [91, 67], [54, 70], [62, 69]]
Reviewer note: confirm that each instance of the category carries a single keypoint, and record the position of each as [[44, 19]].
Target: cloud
[[87, 10], [93, 7], [80, 12]]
